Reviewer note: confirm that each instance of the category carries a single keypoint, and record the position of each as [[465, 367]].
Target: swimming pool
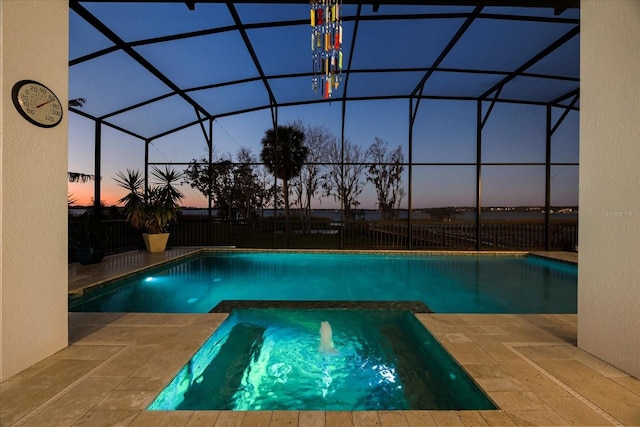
[[445, 283], [321, 360]]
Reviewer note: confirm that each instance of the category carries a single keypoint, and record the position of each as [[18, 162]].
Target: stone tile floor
[[117, 363]]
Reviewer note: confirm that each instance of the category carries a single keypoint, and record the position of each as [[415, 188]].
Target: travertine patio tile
[[490, 371], [446, 419], [550, 352], [257, 419], [531, 334], [152, 335], [284, 418], [520, 369], [497, 418], [87, 352], [338, 419], [501, 384], [568, 335], [81, 334], [203, 418], [95, 318], [442, 321], [472, 419], [501, 320], [541, 321], [483, 332], [27, 395], [420, 418], [112, 334], [469, 353], [107, 418], [546, 418], [311, 419], [170, 419], [494, 330], [484, 337], [71, 406], [518, 401], [365, 419], [592, 362], [27, 374], [498, 351], [126, 399], [230, 419], [392, 419], [151, 384], [575, 412], [127, 361], [629, 383], [165, 364], [623, 405], [542, 386], [149, 419]]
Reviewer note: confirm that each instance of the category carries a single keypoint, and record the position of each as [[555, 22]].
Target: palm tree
[[283, 154]]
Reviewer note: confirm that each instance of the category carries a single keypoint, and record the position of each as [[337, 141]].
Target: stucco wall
[[33, 189], [609, 270]]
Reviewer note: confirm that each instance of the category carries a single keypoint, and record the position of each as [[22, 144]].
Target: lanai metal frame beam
[[415, 97]]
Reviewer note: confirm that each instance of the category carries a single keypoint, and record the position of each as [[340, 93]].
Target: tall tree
[[233, 186], [284, 153], [308, 183], [385, 172], [246, 185], [344, 178]]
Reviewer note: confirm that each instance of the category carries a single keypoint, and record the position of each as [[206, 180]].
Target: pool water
[[447, 284], [269, 359]]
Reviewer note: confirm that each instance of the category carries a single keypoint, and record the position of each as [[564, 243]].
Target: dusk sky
[[444, 131]]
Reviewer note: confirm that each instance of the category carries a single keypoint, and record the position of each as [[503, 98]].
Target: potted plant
[[154, 211]]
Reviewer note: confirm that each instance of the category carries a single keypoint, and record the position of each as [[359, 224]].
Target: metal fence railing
[[270, 233]]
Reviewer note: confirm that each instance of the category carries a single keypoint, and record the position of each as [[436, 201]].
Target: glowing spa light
[[149, 279]]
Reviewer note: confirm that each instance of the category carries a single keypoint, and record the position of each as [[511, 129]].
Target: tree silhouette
[[344, 177], [233, 185], [385, 172], [283, 153], [308, 184]]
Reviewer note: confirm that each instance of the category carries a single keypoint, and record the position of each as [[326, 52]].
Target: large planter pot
[[87, 256], [155, 242]]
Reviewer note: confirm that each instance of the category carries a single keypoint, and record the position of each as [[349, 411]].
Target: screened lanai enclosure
[[437, 124]]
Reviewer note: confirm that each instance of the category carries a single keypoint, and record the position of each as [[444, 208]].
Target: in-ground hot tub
[[274, 359]]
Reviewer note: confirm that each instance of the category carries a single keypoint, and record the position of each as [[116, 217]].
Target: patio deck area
[[117, 363]]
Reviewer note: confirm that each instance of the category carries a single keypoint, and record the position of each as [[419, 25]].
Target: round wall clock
[[37, 103]]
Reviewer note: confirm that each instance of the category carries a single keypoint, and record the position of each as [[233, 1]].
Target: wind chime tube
[[326, 45]]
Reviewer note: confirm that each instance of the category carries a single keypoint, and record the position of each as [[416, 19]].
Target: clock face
[[37, 103]]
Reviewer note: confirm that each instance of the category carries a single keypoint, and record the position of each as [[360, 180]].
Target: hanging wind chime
[[326, 45]]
